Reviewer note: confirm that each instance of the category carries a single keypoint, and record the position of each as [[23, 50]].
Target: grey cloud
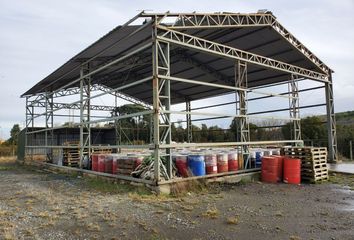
[[38, 36]]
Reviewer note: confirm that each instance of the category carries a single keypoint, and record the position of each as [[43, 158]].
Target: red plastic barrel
[[108, 162], [138, 160], [232, 162], [210, 163], [270, 169], [101, 159], [280, 166], [292, 170], [222, 162], [182, 165], [114, 164], [94, 162]]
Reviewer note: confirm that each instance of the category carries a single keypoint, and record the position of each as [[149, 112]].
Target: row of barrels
[[209, 163], [115, 163], [281, 169], [258, 154]]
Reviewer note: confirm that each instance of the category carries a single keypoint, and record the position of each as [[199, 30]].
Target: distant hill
[[343, 118]]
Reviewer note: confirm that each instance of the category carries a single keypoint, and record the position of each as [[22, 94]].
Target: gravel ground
[[35, 204]]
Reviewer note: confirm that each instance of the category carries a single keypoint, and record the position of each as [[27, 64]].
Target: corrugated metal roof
[[263, 40]]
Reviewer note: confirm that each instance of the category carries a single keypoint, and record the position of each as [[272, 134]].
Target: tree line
[[137, 130]]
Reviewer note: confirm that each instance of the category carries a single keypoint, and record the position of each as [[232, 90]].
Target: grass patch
[[4, 213], [232, 220], [7, 168], [211, 213], [93, 227], [342, 179], [108, 187], [150, 198], [181, 189]]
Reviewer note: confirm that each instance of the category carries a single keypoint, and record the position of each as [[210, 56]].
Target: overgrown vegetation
[[9, 147], [109, 187]]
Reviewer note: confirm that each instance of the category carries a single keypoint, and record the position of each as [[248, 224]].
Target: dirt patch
[[35, 204]]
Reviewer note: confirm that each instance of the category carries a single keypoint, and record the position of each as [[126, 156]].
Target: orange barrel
[[101, 160], [222, 163], [270, 169], [292, 170], [210, 163], [94, 162], [182, 165], [232, 161], [108, 162], [114, 163], [280, 166]]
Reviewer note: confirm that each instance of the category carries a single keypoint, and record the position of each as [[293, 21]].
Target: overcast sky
[[38, 36]]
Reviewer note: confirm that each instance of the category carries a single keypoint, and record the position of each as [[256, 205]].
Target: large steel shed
[[160, 59]]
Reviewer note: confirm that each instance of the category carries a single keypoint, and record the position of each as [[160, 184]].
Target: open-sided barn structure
[[158, 60]]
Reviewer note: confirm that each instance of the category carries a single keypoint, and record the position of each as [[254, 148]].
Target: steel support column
[[294, 109], [161, 102], [189, 122], [85, 130], [49, 125], [117, 124], [29, 123], [331, 123], [242, 133]]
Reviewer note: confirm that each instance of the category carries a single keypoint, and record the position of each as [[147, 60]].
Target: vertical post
[[294, 108], [27, 125], [49, 125], [117, 126], [189, 122], [151, 122], [242, 133], [167, 102], [156, 109], [331, 122], [85, 129], [351, 150], [33, 136], [161, 103]]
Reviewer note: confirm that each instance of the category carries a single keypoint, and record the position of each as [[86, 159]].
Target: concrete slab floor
[[347, 167]]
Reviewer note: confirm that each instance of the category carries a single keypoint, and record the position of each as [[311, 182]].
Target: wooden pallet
[[314, 172], [305, 149], [71, 156], [313, 162], [315, 178], [101, 150], [311, 165]]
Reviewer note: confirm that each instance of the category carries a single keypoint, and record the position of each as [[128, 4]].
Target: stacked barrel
[[277, 168], [207, 162], [115, 163]]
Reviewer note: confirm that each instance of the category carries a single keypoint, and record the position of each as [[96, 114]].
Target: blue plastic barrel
[[259, 156], [196, 164]]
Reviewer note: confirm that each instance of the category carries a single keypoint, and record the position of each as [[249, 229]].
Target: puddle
[[347, 204], [342, 167], [349, 208]]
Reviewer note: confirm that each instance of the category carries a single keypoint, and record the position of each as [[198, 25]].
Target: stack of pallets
[[101, 150], [71, 154], [313, 162], [126, 165]]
